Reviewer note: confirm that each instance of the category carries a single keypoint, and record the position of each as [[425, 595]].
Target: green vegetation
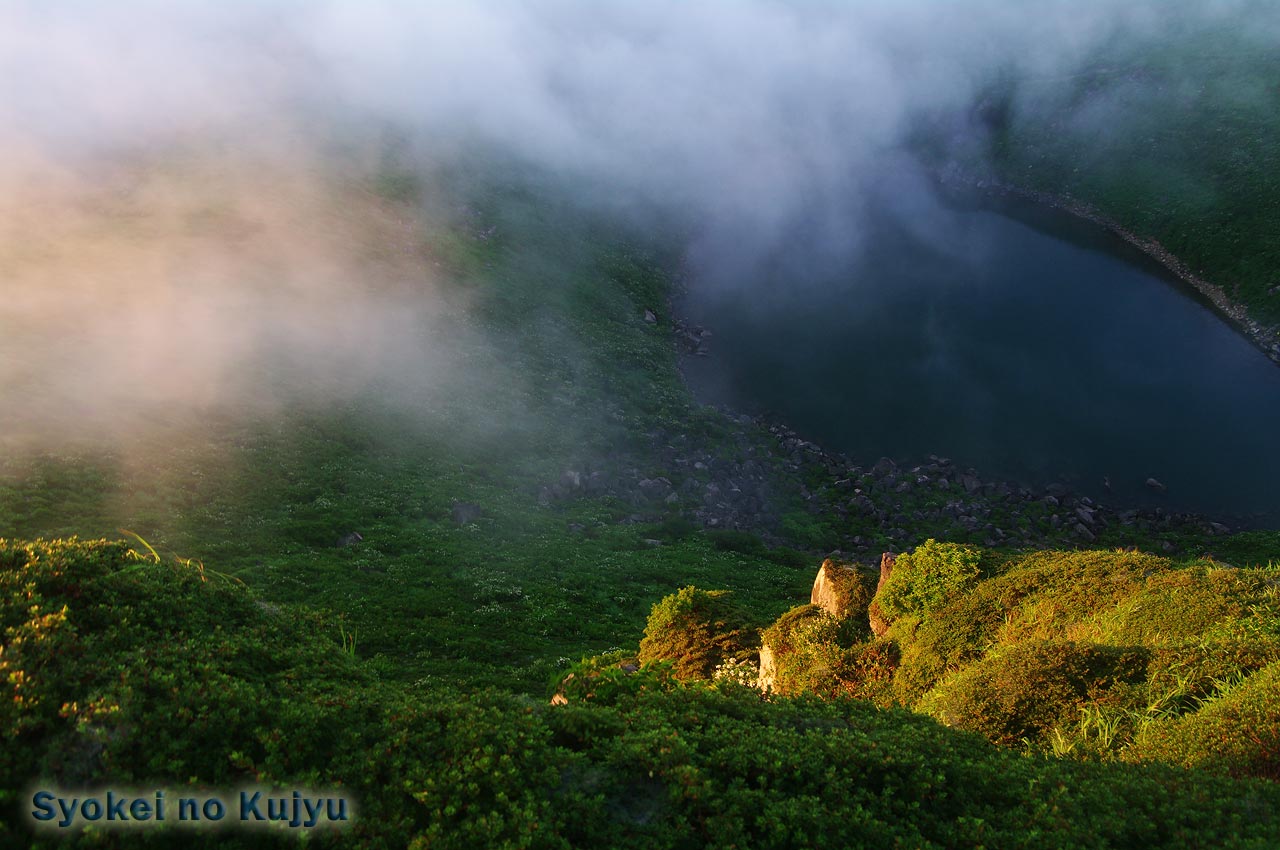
[[1098, 698], [121, 670], [929, 577], [1113, 656], [697, 631]]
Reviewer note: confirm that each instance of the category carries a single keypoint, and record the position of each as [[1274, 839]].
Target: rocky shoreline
[[882, 505], [1266, 339]]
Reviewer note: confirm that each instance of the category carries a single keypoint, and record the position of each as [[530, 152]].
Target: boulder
[[768, 669], [351, 538], [655, 489], [841, 590], [884, 466], [1156, 485]]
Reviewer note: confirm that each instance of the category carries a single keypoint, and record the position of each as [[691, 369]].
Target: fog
[[184, 205]]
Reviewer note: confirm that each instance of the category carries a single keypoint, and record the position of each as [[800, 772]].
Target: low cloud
[[181, 201]]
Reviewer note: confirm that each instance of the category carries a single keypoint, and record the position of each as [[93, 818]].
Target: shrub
[[1172, 607], [808, 646], [697, 630], [1237, 731], [1027, 690], [928, 577], [866, 670]]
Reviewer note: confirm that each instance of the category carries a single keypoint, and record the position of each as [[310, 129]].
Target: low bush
[[122, 671], [1025, 691], [1235, 731], [929, 577], [697, 630]]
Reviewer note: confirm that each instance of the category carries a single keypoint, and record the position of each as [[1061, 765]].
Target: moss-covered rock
[[843, 590]]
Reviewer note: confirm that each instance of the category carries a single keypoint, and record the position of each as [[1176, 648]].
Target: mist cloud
[[172, 175]]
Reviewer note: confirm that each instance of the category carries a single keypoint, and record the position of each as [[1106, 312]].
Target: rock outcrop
[[880, 625], [841, 590], [768, 668]]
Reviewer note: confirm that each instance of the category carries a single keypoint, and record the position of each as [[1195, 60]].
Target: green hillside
[[126, 671]]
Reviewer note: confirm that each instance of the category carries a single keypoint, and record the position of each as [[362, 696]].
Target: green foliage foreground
[[122, 671]]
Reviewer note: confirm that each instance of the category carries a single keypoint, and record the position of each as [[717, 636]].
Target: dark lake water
[[1019, 341]]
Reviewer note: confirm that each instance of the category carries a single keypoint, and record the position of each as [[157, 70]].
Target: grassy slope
[[565, 375]]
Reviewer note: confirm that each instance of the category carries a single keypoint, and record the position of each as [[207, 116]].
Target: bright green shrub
[[1027, 690], [1180, 677], [1080, 584], [696, 630], [929, 577], [1174, 607]]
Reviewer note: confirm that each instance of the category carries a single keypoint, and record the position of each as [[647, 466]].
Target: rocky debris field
[[768, 474]]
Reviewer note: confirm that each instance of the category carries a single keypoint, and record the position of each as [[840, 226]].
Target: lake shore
[[1265, 338]]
